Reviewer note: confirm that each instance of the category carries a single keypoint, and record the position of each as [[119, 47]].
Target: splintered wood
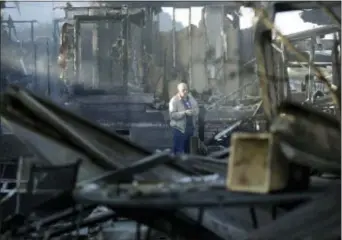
[[255, 164]]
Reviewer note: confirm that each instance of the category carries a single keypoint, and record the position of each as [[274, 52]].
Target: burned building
[[94, 175]]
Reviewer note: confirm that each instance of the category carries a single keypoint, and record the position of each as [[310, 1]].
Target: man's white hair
[[181, 86]]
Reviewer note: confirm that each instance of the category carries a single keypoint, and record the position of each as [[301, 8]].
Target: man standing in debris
[[183, 109]]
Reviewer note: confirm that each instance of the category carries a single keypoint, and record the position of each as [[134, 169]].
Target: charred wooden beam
[[176, 4], [317, 219], [311, 132], [135, 18], [19, 21], [68, 8], [94, 18]]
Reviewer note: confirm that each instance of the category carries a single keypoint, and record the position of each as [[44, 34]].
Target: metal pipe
[[174, 37], [190, 51]]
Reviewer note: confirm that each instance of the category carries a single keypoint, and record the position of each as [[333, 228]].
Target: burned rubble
[[85, 123]]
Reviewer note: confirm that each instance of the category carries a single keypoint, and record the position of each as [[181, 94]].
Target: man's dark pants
[[181, 141]]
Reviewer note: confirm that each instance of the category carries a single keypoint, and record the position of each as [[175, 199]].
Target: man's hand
[[188, 112]]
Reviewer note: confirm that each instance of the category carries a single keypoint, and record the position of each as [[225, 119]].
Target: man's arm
[[174, 114]]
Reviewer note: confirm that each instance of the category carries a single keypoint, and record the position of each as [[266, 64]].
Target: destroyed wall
[[187, 53], [190, 54], [135, 57], [238, 44], [215, 34], [107, 56], [247, 44], [110, 70], [222, 39], [139, 56], [206, 71]]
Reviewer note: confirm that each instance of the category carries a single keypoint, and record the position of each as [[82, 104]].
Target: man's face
[[183, 91]]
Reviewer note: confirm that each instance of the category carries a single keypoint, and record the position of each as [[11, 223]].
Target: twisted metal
[[264, 81]]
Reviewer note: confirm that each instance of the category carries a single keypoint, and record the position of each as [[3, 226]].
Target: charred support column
[[190, 52], [311, 77], [336, 62], [166, 96], [76, 49], [147, 44], [280, 72], [287, 86], [239, 50], [223, 61], [160, 52], [204, 22], [174, 37], [96, 56], [149, 31], [124, 33]]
